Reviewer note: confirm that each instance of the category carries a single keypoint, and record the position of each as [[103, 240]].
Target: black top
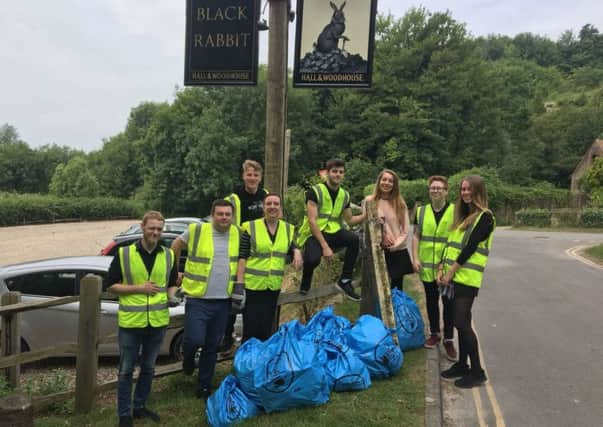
[[252, 205], [311, 195], [480, 232], [438, 215], [114, 276], [245, 243]]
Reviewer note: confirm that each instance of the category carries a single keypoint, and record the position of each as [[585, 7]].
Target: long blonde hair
[[465, 214], [396, 198]]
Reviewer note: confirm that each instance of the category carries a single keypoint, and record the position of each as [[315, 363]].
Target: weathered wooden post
[[276, 95], [10, 341], [87, 343], [375, 279]]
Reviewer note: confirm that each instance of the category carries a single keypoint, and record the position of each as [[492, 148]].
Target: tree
[[592, 182], [74, 179]]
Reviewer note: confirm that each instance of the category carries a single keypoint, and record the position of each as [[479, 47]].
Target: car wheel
[[176, 348]]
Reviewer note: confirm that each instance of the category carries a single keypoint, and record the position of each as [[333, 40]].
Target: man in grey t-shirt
[[209, 273]]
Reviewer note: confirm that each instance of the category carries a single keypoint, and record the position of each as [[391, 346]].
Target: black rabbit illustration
[[328, 39]]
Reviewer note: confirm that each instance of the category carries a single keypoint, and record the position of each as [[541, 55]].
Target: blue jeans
[[132, 342], [204, 325]]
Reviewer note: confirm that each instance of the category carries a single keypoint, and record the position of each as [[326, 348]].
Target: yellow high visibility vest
[[471, 272], [140, 310], [265, 266], [200, 258], [329, 212], [432, 240], [236, 203]]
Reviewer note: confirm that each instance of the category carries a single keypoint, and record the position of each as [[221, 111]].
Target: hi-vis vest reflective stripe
[[140, 310], [329, 212], [266, 264], [236, 202], [200, 258], [433, 238], [472, 271]]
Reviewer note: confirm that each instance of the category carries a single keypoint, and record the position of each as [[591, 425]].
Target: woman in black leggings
[[461, 272]]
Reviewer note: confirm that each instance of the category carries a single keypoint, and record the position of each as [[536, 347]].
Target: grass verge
[[595, 253], [396, 401]]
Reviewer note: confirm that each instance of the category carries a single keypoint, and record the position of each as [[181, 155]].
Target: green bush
[[534, 217], [592, 217], [34, 208]]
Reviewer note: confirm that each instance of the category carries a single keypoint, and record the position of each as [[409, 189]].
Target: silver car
[[60, 277]]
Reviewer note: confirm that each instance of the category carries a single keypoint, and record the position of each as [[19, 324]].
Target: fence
[[375, 292]]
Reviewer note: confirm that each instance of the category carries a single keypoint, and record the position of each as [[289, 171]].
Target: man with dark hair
[[247, 201], [321, 231], [209, 278], [140, 275]]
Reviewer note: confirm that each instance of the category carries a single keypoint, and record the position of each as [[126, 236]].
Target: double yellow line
[[477, 399]]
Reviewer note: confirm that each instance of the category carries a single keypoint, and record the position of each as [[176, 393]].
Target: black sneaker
[[203, 393], [472, 379], [126, 421], [146, 413], [347, 289], [303, 291], [457, 370]]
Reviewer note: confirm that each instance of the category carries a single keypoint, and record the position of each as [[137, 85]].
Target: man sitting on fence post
[[140, 275], [327, 205]]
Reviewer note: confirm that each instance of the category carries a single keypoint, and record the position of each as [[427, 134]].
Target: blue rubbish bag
[[289, 371], [229, 404], [327, 326], [344, 368], [409, 322], [245, 364], [375, 346]]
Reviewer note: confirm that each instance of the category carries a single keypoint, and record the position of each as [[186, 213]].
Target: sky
[[71, 70]]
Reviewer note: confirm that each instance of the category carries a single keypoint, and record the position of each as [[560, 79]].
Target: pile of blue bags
[[301, 365]]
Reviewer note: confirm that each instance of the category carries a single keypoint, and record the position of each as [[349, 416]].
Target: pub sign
[[334, 43], [221, 42]]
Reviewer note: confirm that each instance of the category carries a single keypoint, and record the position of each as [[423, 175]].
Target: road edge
[[433, 389]]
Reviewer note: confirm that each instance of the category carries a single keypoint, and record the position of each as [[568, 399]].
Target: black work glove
[[238, 297]]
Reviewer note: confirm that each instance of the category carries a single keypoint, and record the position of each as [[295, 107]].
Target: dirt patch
[[32, 242]]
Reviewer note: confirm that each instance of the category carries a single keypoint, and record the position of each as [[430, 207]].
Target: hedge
[[534, 217], [17, 209], [588, 218]]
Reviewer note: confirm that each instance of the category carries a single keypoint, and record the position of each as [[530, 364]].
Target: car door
[[49, 326]]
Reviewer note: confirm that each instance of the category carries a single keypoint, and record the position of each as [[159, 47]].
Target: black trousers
[[432, 301], [468, 345], [313, 253], [258, 314], [398, 264]]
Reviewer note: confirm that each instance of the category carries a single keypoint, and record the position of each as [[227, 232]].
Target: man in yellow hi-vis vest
[[327, 205], [209, 278], [140, 275], [247, 201]]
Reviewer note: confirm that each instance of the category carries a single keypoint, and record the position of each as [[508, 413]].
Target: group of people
[[236, 263]]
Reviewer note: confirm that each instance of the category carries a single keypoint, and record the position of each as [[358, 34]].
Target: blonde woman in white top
[[393, 213]]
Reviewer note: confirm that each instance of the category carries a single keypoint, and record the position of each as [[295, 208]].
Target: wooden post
[[10, 341], [87, 340], [276, 95], [377, 267]]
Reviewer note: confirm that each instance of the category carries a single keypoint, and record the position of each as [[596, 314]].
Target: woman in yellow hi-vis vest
[[265, 244], [461, 271]]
